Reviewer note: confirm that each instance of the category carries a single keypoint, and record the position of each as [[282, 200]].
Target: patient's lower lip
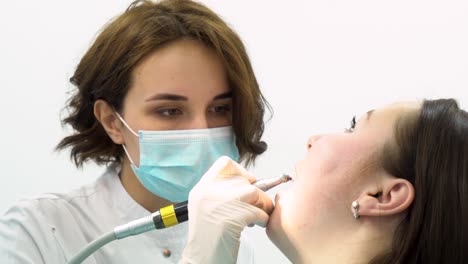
[[277, 197]]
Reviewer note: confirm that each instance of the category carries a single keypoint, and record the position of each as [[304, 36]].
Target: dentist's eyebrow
[[223, 96], [167, 96], [369, 113], [176, 97]]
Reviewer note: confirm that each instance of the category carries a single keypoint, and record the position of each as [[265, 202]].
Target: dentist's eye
[[221, 109], [352, 126], [169, 112]]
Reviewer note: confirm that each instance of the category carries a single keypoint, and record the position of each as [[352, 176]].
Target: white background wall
[[318, 63]]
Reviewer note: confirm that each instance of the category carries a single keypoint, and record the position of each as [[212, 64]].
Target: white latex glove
[[220, 206]]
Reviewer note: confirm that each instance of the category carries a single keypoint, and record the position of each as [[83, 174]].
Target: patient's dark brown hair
[[432, 153]]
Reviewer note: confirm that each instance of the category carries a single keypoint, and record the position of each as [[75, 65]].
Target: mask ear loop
[[131, 130], [125, 124]]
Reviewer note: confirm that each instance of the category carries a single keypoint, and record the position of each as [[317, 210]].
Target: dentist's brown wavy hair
[[432, 153], [105, 73]]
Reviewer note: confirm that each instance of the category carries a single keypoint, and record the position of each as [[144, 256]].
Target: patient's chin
[[274, 225], [277, 233]]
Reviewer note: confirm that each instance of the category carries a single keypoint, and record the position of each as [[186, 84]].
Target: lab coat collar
[[128, 208]]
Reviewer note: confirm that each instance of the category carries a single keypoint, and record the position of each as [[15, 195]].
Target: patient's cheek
[[327, 159], [336, 159]]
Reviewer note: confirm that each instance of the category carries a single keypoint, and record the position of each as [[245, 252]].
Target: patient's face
[[328, 178]]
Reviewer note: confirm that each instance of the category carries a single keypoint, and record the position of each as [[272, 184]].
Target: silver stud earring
[[355, 206]]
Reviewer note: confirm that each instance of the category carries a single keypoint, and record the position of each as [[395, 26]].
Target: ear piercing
[[355, 206]]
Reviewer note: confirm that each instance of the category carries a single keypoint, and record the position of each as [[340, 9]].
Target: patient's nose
[[312, 140]]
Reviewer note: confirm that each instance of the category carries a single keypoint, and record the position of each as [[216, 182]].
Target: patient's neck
[[356, 242]]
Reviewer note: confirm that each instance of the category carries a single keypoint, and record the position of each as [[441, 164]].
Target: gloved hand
[[220, 206]]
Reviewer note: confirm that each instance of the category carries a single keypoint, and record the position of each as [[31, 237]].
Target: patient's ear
[[394, 196], [105, 114]]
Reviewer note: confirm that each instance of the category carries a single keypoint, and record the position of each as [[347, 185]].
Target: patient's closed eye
[[352, 125]]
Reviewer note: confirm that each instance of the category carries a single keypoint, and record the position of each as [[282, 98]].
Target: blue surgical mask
[[173, 161]]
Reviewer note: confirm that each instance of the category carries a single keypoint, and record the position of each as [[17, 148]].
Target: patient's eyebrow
[[369, 113]]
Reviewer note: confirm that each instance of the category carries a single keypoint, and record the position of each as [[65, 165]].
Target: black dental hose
[[165, 217]]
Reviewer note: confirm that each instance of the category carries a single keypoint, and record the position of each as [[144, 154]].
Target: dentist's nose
[[312, 140], [199, 122]]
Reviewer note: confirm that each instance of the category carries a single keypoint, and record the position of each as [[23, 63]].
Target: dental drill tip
[[286, 177]]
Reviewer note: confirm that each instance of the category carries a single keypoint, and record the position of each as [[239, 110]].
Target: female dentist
[[164, 91]]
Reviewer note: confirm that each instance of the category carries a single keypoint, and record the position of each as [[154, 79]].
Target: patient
[[393, 188]]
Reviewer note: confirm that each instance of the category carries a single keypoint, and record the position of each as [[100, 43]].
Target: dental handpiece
[[177, 213], [268, 183], [165, 217]]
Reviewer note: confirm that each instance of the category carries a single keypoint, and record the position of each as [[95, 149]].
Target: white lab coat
[[52, 228]]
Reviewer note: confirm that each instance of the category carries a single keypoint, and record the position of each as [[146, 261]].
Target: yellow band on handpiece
[[168, 216]]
